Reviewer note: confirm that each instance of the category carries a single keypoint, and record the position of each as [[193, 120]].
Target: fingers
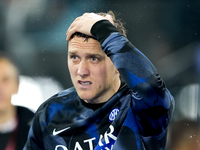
[[70, 32], [84, 24], [72, 28]]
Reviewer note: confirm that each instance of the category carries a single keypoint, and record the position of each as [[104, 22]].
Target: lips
[[84, 82]]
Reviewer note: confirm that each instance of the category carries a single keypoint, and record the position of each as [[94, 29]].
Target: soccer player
[[118, 102]]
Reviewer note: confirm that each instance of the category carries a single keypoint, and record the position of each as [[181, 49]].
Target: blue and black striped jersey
[[134, 118]]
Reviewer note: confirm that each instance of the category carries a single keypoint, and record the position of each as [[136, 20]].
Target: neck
[[7, 114]]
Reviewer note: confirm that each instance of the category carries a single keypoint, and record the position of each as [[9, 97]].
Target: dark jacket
[[25, 117]]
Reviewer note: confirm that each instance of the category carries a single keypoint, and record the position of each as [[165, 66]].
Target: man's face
[[93, 74], [8, 84]]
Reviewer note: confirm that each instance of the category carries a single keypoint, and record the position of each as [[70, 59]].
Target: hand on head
[[84, 23]]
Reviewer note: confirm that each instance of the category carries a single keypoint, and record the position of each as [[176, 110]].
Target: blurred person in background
[[14, 120], [184, 134], [102, 111]]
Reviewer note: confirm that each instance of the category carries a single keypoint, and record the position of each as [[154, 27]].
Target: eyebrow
[[94, 55], [75, 52], [87, 54], [72, 52]]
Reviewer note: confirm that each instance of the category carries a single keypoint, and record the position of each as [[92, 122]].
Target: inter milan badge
[[113, 114]]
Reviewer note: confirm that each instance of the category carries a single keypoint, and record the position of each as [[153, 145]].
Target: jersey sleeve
[[151, 101]]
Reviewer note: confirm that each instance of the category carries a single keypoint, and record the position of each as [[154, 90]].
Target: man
[[101, 111], [14, 120]]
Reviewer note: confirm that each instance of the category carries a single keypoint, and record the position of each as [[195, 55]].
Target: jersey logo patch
[[58, 132], [113, 114]]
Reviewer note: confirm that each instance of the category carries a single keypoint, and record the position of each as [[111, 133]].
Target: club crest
[[113, 114]]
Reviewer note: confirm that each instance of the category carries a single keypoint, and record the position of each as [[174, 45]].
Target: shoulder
[[56, 107], [25, 117], [60, 98], [68, 92]]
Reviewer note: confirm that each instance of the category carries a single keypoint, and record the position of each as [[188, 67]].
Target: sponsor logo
[[58, 132], [104, 142], [113, 114]]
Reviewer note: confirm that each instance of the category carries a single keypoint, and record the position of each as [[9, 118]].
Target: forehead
[[83, 44]]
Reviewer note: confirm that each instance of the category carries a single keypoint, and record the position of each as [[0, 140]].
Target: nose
[[83, 69]]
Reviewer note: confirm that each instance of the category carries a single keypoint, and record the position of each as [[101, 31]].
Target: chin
[[89, 95], [87, 98]]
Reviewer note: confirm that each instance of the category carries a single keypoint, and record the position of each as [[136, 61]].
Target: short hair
[[117, 23]]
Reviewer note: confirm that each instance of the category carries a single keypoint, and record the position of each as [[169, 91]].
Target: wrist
[[102, 29]]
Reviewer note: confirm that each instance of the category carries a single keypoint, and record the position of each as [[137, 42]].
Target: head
[[92, 72], [9, 82]]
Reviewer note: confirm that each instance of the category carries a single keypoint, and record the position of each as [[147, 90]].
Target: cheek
[[102, 74], [71, 68], [111, 74]]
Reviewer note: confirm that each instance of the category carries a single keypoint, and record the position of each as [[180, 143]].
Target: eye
[[5, 79], [94, 59], [74, 58]]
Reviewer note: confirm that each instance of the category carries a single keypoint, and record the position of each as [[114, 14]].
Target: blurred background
[[166, 31]]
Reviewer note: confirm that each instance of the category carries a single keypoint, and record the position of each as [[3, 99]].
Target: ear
[[116, 71]]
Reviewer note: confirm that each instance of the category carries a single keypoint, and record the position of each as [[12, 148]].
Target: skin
[[8, 87], [92, 72]]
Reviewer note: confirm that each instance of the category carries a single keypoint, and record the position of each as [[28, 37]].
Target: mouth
[[84, 83]]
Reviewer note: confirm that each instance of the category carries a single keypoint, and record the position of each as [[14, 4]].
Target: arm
[[152, 102]]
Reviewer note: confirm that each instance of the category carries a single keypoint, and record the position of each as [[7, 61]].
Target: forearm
[[134, 66]]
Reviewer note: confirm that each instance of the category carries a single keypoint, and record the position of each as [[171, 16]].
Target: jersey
[[134, 118]]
